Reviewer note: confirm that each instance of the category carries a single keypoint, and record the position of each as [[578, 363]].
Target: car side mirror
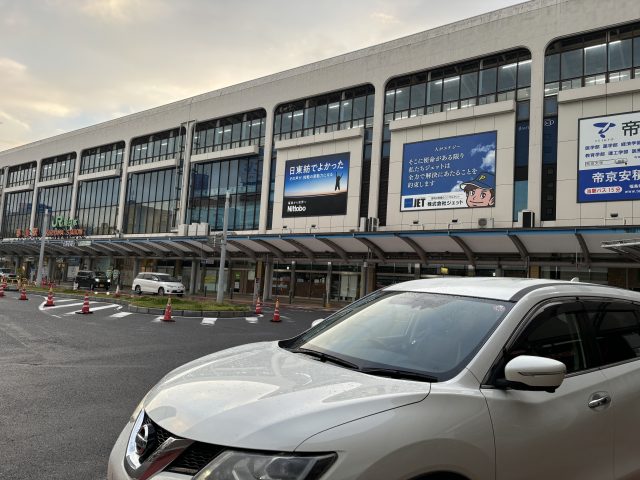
[[527, 372], [316, 322]]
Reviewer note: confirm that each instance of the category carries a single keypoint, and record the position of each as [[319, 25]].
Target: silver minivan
[[157, 283]]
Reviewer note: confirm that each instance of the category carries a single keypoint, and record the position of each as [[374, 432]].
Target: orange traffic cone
[[117, 294], [2, 290], [85, 305], [50, 298], [276, 311], [23, 294], [167, 312], [258, 307]]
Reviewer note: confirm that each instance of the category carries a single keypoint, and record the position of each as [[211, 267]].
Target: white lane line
[[93, 309], [121, 314], [251, 319], [209, 321], [66, 305]]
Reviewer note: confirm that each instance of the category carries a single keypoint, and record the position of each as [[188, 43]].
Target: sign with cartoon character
[[609, 158], [316, 186], [455, 172]]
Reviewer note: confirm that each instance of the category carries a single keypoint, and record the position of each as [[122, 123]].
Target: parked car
[[92, 279], [10, 277], [471, 378], [157, 283]]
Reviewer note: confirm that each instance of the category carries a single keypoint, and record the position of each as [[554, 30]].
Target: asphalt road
[[69, 382]]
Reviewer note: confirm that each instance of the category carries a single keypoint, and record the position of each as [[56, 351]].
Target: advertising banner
[[316, 186], [609, 158], [455, 172]]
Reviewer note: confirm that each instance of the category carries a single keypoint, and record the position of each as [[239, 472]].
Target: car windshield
[[408, 332], [166, 278]]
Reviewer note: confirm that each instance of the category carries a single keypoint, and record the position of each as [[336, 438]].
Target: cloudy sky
[[67, 64]]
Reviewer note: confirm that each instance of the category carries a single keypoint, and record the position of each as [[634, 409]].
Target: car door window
[[617, 331], [555, 333]]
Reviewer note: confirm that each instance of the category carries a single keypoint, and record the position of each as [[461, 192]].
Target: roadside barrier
[[167, 312], [276, 311]]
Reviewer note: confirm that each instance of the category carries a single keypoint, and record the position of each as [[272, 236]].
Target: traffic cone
[[23, 294], [167, 312], [2, 290], [85, 305], [258, 307], [50, 298], [117, 294], [276, 311]]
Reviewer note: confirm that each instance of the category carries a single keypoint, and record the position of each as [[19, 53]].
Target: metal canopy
[[618, 246]]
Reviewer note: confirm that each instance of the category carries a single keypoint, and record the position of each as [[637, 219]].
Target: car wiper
[[396, 373], [324, 357]]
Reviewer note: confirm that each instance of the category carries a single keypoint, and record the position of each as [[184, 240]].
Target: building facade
[[506, 144]]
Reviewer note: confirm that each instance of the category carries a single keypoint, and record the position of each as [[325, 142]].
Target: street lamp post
[[43, 236], [223, 250]]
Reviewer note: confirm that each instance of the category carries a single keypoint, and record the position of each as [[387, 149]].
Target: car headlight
[[235, 465], [97, 279]]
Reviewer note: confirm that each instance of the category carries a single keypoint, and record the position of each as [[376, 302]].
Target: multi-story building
[[507, 144]]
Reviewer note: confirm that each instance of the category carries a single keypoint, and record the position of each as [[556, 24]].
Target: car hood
[[260, 396], [172, 284]]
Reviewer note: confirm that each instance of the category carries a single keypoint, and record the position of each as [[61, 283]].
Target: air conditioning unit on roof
[[485, 222]]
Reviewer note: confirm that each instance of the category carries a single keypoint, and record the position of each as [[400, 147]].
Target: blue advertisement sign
[[609, 158], [316, 186], [456, 172]]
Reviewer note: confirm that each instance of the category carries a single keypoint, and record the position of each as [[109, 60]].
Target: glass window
[[333, 112], [418, 95], [617, 331], [402, 99], [555, 333], [469, 85], [636, 52], [552, 68], [309, 117], [507, 77], [345, 111], [488, 81], [524, 74], [571, 64], [450, 89], [435, 335], [434, 92], [620, 55], [297, 120], [595, 59]]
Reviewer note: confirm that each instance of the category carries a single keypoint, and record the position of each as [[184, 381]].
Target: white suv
[[160, 283], [480, 379]]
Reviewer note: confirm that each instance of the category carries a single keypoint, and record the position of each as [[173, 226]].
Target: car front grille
[[197, 456]]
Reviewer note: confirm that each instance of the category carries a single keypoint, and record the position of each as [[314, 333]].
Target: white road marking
[[93, 309], [121, 314], [251, 319], [209, 321], [66, 305]]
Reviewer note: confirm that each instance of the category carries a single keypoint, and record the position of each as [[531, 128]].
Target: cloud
[[9, 66]]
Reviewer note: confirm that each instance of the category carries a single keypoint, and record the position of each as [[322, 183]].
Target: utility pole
[[43, 233], [223, 250]]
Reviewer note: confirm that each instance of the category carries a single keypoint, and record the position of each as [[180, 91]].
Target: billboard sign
[[455, 172], [609, 158], [316, 186]]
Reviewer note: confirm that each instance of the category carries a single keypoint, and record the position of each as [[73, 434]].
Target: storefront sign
[[456, 172], [34, 233], [316, 186], [63, 222], [609, 158]]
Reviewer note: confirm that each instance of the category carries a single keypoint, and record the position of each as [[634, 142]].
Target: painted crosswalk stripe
[[209, 320], [121, 314]]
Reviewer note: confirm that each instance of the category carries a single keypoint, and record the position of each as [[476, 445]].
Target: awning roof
[[506, 246]]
